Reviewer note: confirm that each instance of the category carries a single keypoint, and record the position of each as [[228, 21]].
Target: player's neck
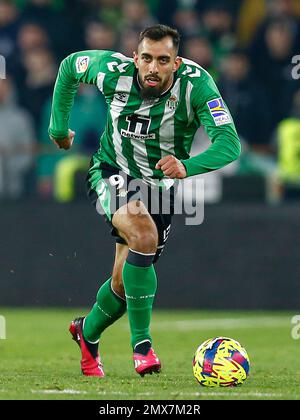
[[170, 84]]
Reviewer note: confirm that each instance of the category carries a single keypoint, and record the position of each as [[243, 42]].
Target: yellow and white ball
[[221, 361]]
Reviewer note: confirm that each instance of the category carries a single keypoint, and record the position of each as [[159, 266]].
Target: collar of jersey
[[137, 85]]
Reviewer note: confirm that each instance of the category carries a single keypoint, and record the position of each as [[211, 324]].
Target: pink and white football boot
[[146, 364], [90, 366]]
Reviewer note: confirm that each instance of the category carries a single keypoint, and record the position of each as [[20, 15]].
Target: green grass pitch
[[38, 359]]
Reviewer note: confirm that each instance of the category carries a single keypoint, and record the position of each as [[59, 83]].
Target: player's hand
[[171, 167], [65, 143]]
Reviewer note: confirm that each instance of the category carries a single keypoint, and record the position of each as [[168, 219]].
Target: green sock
[[107, 309], [140, 286]]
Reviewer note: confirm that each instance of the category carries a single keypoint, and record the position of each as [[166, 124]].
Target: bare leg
[[120, 257]]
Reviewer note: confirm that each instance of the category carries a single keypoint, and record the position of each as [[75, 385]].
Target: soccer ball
[[221, 361]]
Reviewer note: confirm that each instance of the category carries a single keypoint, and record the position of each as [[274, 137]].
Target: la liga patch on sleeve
[[82, 64], [218, 111]]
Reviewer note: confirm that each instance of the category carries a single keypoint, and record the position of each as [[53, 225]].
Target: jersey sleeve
[[211, 112], [80, 67]]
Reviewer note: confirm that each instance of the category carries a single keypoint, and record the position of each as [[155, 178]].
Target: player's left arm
[[218, 123], [171, 167], [214, 115], [225, 149]]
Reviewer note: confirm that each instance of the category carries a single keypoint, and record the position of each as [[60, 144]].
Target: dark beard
[[149, 93]]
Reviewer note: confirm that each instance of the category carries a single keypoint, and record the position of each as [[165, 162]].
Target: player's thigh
[[136, 226], [107, 191]]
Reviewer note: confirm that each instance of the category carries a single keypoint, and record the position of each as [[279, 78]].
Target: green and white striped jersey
[[140, 132]]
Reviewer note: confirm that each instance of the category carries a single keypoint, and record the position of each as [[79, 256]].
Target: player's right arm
[[80, 67]]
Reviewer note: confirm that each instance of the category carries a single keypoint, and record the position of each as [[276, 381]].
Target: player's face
[[156, 62]]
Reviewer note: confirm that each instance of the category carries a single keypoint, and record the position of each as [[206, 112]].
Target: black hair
[[158, 32]]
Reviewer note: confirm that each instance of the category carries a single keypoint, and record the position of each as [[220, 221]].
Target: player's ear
[[135, 58], [177, 63]]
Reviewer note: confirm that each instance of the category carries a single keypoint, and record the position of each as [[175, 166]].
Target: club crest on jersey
[[218, 112], [121, 97], [172, 102], [82, 64]]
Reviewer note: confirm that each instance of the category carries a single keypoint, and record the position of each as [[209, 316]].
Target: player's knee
[[137, 228], [143, 240]]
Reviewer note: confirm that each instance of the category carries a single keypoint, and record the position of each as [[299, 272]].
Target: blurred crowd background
[[247, 45]]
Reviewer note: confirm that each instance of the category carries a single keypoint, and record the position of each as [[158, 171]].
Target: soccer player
[[156, 101]]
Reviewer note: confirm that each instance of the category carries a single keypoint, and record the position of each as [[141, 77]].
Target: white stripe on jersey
[[100, 80], [166, 131], [191, 63], [121, 57], [139, 146], [124, 85], [190, 112]]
